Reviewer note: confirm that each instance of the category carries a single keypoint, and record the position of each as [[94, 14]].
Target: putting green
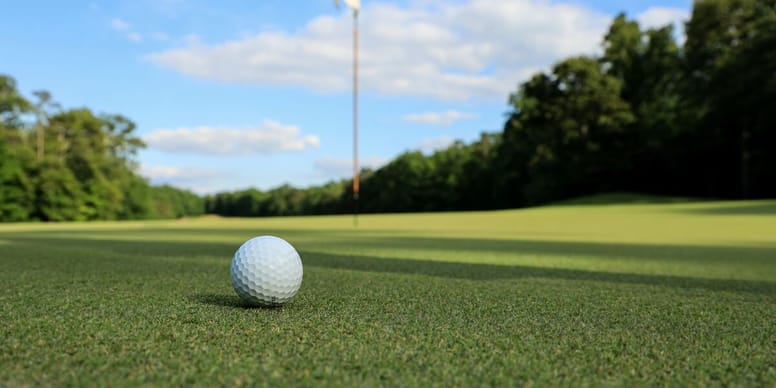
[[678, 293]]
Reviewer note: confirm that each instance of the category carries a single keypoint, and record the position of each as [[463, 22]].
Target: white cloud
[[331, 167], [194, 178], [119, 24], [162, 173], [478, 48], [270, 137], [656, 17], [434, 143], [438, 118], [661, 16]]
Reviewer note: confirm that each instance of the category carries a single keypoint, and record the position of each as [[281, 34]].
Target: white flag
[[353, 4]]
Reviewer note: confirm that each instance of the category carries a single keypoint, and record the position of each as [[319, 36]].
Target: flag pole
[[356, 177], [355, 6]]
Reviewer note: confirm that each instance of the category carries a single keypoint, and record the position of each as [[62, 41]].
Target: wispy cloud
[[135, 37], [438, 118], [160, 37], [120, 24], [195, 178], [441, 50], [270, 137], [125, 28], [434, 143], [331, 167]]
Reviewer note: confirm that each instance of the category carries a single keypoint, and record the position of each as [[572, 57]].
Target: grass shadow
[[675, 253], [185, 254], [494, 272], [227, 301], [764, 208], [623, 199], [707, 254]]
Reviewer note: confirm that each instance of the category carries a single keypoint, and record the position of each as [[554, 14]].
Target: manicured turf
[[679, 294]]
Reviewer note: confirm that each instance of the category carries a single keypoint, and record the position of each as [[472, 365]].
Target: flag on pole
[[355, 5]]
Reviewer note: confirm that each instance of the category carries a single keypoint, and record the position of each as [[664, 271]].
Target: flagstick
[[355, 118]]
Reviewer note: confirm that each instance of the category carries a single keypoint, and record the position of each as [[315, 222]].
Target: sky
[[235, 94]]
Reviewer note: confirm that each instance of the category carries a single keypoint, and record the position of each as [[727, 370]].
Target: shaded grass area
[[751, 208], [681, 256], [381, 306], [624, 198]]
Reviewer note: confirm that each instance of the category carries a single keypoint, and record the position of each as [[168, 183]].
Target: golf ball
[[266, 271]]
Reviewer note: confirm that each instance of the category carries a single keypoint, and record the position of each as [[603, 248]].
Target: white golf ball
[[266, 271]]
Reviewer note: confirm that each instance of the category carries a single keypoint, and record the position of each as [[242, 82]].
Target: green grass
[[645, 294]]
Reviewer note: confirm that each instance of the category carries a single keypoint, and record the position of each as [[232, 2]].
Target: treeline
[[652, 116], [649, 115], [456, 178], [281, 201], [63, 165]]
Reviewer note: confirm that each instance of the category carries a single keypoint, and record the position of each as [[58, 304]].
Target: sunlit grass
[[586, 294]]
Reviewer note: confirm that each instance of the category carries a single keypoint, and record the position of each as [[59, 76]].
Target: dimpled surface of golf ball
[[266, 271]]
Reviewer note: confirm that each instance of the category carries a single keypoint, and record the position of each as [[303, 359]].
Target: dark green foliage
[[566, 135], [137, 202], [12, 104], [171, 202], [404, 184], [15, 189], [648, 64], [455, 178], [697, 121], [74, 165], [281, 201], [731, 72], [58, 196]]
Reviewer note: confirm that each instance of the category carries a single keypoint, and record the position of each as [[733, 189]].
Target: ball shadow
[[233, 301]]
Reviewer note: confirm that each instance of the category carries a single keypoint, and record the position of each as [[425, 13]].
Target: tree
[[121, 143], [478, 176], [87, 171], [98, 150], [42, 113], [730, 89], [648, 66], [137, 203], [564, 137], [58, 195], [624, 47], [12, 104], [16, 196], [86, 156], [171, 202], [747, 88], [402, 185]]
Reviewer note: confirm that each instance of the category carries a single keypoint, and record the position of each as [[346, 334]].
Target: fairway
[[638, 294]]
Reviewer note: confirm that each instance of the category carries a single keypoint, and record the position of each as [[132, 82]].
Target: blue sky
[[234, 94]]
